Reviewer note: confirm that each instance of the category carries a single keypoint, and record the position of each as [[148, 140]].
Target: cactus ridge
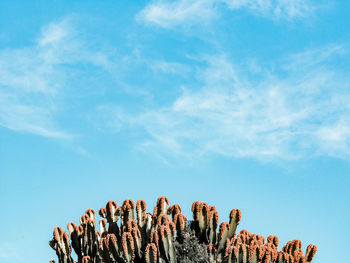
[[162, 237]]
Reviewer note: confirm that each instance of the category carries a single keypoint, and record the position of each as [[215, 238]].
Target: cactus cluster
[[166, 237]]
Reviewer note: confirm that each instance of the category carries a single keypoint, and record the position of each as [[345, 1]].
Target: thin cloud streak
[[34, 79], [167, 14], [170, 14], [264, 116]]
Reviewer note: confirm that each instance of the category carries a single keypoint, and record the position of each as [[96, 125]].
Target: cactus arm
[[128, 210], [310, 252], [223, 232], [161, 207], [212, 225], [151, 253], [128, 247], [235, 217]]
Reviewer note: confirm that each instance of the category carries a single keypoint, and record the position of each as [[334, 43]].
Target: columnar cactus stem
[[161, 207], [140, 210], [254, 253], [272, 240], [151, 253], [103, 227], [223, 233], [154, 237], [310, 252], [213, 222], [133, 228], [235, 218], [91, 213], [180, 222], [111, 211], [142, 221], [60, 243], [163, 220], [104, 247], [148, 226], [200, 216], [76, 235], [103, 212], [128, 210], [166, 246], [174, 210], [212, 252], [89, 238], [128, 248]]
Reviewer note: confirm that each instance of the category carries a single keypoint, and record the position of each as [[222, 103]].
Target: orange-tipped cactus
[[143, 221], [128, 210], [103, 212], [272, 240], [223, 236], [151, 253], [60, 243], [140, 210], [310, 252], [106, 249], [133, 228], [235, 218], [91, 213], [174, 210], [128, 247], [166, 244], [111, 211], [166, 237], [161, 207], [200, 215], [213, 222], [180, 222], [103, 227]]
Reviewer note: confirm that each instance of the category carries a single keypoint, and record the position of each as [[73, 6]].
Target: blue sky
[[241, 104]]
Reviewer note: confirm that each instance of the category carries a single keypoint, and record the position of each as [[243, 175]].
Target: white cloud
[[239, 114], [286, 9], [32, 79], [168, 14], [170, 67]]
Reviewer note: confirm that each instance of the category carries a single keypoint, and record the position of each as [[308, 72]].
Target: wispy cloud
[[300, 108], [280, 9], [168, 14], [170, 67], [32, 79]]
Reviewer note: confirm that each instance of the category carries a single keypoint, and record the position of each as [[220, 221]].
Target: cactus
[[128, 247], [213, 222], [166, 236], [142, 221], [161, 207], [60, 243], [151, 253], [235, 218]]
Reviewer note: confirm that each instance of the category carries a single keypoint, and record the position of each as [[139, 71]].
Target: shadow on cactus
[[167, 237]]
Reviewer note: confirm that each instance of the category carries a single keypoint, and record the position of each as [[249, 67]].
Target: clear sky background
[[241, 104]]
